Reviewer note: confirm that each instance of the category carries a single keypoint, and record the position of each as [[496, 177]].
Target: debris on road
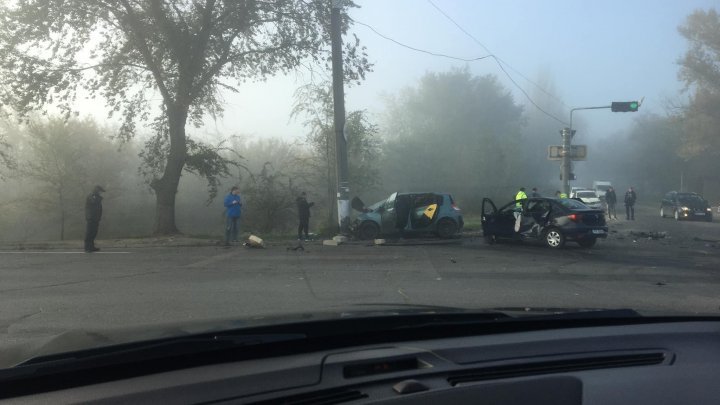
[[296, 248], [649, 235], [380, 241], [255, 242]]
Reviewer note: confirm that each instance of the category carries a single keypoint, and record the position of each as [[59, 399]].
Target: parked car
[[588, 197], [550, 220], [685, 206], [408, 213]]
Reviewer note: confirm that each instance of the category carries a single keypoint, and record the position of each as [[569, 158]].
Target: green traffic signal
[[624, 106]]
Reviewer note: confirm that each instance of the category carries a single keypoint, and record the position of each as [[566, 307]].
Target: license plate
[[700, 214], [598, 231]]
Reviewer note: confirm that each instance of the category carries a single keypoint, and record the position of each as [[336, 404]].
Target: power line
[[500, 64], [421, 50]]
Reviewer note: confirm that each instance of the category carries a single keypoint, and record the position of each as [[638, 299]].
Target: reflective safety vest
[[563, 195], [520, 196]]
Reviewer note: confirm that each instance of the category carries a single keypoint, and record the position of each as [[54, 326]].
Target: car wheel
[[554, 238], [587, 242], [446, 228], [368, 230], [662, 212]]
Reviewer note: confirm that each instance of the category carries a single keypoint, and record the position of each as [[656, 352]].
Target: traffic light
[[624, 106]]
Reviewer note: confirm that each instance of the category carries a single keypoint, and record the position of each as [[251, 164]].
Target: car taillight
[[455, 207], [574, 217]]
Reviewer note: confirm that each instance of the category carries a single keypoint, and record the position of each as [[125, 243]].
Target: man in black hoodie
[[93, 213], [304, 215]]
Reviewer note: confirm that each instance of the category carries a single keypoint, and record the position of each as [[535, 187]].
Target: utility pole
[[565, 164], [343, 186], [566, 152]]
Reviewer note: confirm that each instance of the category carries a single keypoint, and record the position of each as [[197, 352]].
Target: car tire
[[447, 228], [587, 242], [554, 238], [368, 230]]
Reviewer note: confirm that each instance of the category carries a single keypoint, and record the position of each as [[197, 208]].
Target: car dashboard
[[674, 362]]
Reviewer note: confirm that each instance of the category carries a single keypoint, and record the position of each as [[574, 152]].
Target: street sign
[[578, 152]]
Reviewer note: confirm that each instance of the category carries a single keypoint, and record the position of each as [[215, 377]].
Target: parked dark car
[[408, 213], [685, 206], [550, 220]]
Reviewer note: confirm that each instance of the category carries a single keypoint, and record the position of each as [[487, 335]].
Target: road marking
[[22, 252]]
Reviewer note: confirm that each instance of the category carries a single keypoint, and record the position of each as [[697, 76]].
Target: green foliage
[[700, 70], [269, 200], [184, 51], [315, 103], [453, 131], [62, 161]]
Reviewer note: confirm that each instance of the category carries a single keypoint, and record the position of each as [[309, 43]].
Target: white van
[[601, 187]]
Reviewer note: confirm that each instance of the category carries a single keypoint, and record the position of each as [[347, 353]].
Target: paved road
[[46, 292]]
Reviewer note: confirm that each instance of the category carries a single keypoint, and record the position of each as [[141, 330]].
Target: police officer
[[93, 213], [518, 207]]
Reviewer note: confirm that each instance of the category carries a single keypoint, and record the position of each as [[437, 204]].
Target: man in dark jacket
[[93, 213], [630, 198], [304, 215], [611, 200]]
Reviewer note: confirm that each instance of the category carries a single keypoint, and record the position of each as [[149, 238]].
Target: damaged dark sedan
[[550, 220], [407, 214]]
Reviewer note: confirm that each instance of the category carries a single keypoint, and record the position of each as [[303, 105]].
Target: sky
[[593, 52]]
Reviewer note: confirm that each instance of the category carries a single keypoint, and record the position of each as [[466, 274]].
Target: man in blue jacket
[[233, 206]]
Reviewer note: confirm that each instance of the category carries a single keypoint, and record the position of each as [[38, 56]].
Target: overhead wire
[[464, 60], [497, 58], [418, 49]]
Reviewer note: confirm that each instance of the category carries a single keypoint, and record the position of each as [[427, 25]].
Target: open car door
[[489, 214]]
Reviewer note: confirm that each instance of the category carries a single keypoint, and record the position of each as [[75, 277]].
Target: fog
[[477, 128]]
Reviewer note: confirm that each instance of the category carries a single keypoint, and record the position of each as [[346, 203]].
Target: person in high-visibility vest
[[518, 207], [560, 194]]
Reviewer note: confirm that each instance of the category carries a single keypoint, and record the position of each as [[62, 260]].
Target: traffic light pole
[[566, 163], [567, 135]]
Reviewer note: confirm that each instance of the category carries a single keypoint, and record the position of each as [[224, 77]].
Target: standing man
[[93, 213], [233, 206], [518, 207], [611, 200], [304, 215], [630, 198]]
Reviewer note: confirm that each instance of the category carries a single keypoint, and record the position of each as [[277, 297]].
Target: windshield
[[169, 167], [690, 199]]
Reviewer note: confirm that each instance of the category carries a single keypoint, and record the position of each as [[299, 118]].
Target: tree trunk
[[166, 187]]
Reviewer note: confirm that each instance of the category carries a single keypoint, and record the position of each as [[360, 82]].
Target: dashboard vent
[[329, 397], [559, 366]]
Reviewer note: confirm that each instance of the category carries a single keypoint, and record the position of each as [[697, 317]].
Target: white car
[[588, 197]]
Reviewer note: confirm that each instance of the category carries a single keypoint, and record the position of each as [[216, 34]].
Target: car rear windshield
[[586, 194]]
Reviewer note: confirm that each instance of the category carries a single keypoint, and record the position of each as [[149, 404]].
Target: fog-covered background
[[441, 117]]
